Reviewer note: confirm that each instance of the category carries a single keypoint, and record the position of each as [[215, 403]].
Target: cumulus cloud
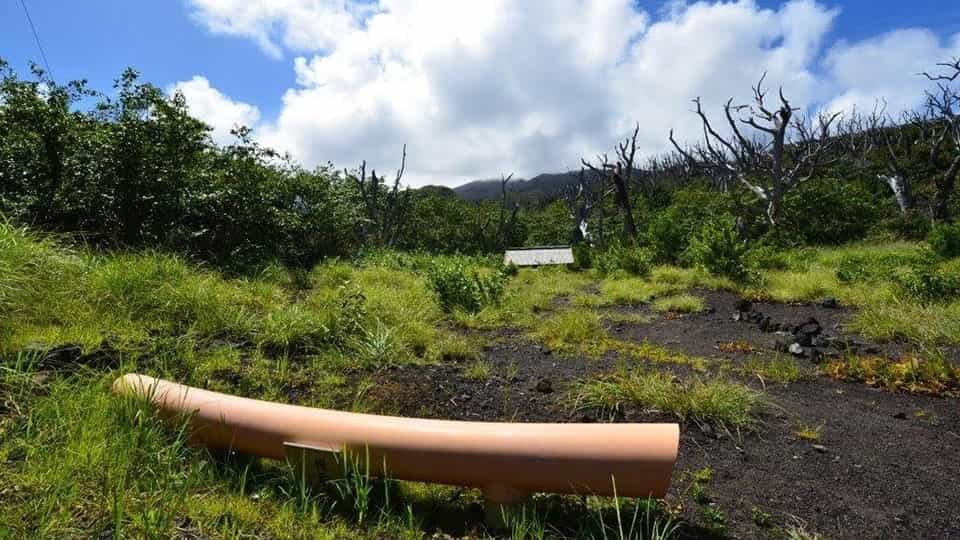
[[479, 88], [886, 67], [299, 25], [213, 107]]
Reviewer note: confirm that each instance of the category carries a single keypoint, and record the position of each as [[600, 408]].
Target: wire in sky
[[36, 37]]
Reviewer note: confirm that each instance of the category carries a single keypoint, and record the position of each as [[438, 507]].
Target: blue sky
[[247, 57]]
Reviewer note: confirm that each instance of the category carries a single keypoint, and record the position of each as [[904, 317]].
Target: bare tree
[[943, 104], [622, 174], [505, 227], [581, 200], [783, 152], [385, 208]]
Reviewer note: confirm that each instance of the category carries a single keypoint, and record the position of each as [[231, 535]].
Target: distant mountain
[[539, 189]]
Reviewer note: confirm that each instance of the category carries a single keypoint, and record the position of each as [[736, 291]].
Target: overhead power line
[[36, 37]]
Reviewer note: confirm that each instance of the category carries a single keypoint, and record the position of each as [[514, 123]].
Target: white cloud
[[219, 111], [299, 25], [479, 88], [886, 67]]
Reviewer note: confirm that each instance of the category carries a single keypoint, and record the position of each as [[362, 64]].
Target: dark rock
[[781, 345], [544, 386], [102, 358], [766, 325], [807, 331], [62, 356], [737, 316], [900, 416], [871, 349], [815, 355], [743, 305], [829, 303]]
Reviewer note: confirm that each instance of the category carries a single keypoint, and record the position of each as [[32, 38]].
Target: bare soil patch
[[884, 465]]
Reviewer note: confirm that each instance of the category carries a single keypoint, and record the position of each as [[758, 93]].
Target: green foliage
[[944, 239], [466, 287], [582, 256], [636, 261], [718, 248], [927, 283], [830, 211]]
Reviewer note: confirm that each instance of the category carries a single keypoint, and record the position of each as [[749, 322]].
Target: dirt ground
[[886, 464]]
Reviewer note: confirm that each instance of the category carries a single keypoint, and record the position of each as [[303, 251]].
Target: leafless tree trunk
[[505, 227], [581, 201], [385, 209], [865, 139], [786, 153], [944, 103], [622, 174]]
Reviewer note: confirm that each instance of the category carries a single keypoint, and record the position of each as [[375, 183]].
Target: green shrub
[[872, 268], [582, 256], [944, 238], [636, 261], [718, 248], [928, 283], [466, 287], [667, 235], [829, 211], [768, 258]]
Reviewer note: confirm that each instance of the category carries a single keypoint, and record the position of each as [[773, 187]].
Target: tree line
[[132, 170]]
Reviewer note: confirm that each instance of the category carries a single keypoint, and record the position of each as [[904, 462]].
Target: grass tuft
[[681, 303], [716, 401]]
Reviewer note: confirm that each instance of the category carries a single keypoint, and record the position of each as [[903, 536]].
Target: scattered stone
[[815, 356], [737, 316], [829, 303], [796, 349], [743, 305], [900, 415], [807, 331], [544, 386], [820, 448]]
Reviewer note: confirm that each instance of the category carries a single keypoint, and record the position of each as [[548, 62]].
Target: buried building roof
[[537, 256]]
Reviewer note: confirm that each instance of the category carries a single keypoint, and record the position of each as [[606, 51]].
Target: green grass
[[884, 311], [577, 330], [779, 369], [478, 370], [77, 462], [681, 303], [715, 400]]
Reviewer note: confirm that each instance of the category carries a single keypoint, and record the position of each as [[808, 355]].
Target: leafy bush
[[718, 248], [927, 283], [768, 258], [882, 267], [582, 256], [466, 287], [944, 238], [830, 211], [635, 261]]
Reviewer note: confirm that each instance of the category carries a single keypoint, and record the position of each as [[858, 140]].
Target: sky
[[480, 88]]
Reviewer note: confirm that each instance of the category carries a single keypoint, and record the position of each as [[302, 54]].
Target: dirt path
[[886, 464]]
